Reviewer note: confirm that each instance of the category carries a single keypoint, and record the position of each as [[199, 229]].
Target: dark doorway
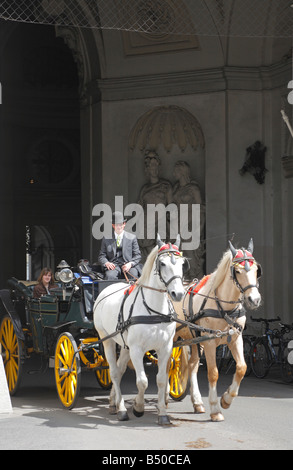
[[40, 149]]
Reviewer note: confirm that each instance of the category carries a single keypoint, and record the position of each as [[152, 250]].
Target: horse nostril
[[176, 296], [254, 301]]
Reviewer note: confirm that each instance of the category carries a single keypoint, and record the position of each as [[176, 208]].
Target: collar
[[116, 235]]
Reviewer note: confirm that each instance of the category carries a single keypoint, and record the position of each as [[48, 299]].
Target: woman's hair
[[44, 272]]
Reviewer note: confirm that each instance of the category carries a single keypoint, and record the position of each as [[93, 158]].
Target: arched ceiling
[[245, 18]]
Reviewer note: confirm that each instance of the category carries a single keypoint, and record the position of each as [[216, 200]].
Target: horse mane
[[148, 265], [220, 272]]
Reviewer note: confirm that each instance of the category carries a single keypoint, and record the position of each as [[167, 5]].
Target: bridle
[[240, 258], [244, 260], [172, 251]]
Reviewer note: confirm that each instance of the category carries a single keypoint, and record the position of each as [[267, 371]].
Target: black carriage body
[[42, 326], [38, 322]]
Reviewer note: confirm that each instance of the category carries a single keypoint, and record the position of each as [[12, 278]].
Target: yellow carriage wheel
[[12, 354], [103, 375], [67, 370], [92, 359], [178, 374]]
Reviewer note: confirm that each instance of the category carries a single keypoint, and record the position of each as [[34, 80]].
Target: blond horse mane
[[147, 268], [220, 272]]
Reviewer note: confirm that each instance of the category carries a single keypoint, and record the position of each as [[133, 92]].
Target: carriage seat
[[24, 287]]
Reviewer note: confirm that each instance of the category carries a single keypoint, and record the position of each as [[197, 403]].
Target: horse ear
[[159, 241], [233, 250], [250, 246], [178, 240]]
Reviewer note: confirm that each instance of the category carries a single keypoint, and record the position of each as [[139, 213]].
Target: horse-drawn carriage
[[59, 328], [81, 325]]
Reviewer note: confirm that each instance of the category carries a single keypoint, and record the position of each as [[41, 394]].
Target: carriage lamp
[[64, 275]]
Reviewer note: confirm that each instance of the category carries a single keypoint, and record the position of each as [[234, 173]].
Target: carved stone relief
[[158, 134], [159, 18], [187, 191], [156, 191], [166, 125]]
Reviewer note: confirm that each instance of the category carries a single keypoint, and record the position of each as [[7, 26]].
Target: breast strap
[[228, 315]]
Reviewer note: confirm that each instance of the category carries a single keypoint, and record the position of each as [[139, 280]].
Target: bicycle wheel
[[247, 348], [224, 359], [286, 369], [260, 359]]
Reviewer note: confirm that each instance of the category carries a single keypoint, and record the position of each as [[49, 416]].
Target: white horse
[[144, 318], [216, 303]]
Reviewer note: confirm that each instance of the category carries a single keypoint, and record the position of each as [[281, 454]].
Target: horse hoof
[[198, 409], [164, 420], [136, 413], [217, 417], [112, 410], [122, 416], [224, 404]]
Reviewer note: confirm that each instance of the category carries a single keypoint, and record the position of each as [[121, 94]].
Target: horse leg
[[136, 356], [193, 365], [213, 375], [163, 384], [116, 371], [237, 353]]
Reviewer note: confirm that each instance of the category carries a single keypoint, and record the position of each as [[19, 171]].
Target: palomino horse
[[216, 303], [143, 316]]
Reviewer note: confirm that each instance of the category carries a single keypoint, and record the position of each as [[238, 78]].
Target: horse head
[[245, 272], [171, 267]]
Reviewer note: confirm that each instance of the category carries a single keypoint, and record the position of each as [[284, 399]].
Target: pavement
[[260, 418]]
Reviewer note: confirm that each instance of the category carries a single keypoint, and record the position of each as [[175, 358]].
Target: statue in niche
[[156, 191], [187, 191]]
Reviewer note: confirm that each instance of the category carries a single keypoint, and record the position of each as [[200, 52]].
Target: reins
[[155, 317]]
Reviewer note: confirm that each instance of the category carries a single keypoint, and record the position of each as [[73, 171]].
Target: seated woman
[[46, 282]]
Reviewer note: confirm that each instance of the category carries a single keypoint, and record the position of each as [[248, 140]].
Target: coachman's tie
[[118, 241]]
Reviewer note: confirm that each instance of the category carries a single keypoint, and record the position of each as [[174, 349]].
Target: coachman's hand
[[110, 266]]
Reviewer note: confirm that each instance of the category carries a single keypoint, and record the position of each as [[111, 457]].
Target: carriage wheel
[[92, 359], [103, 375], [67, 370], [12, 353], [178, 374]]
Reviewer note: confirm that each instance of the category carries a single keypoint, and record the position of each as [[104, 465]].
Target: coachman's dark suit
[[128, 252]]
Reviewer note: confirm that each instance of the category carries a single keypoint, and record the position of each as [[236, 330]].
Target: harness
[[241, 258], [154, 316]]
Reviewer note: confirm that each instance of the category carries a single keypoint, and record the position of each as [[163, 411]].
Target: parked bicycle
[[271, 348]]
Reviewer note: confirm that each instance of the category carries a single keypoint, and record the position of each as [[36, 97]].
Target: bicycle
[[271, 348]]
